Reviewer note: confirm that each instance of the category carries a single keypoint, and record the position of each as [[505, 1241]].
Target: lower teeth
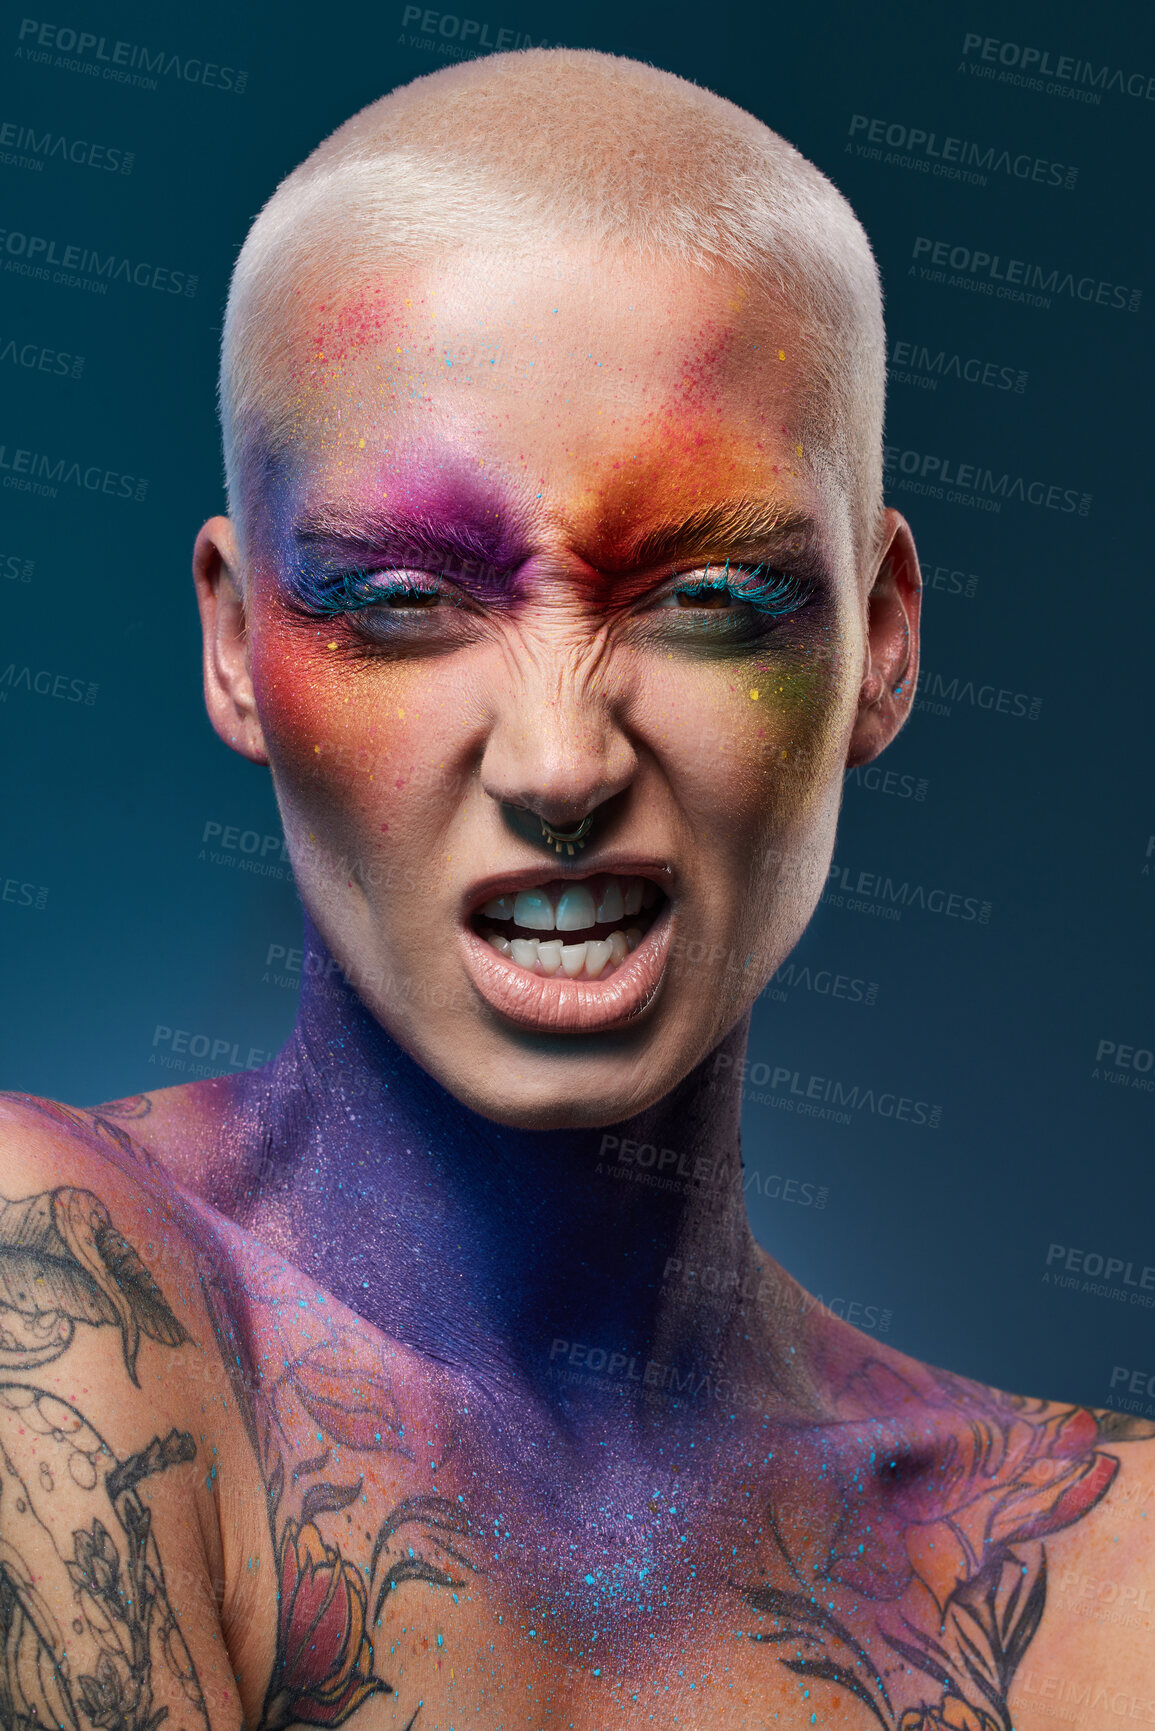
[[588, 961]]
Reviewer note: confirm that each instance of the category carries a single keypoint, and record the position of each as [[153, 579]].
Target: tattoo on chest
[[338, 1558], [916, 1578], [901, 1549], [906, 1552]]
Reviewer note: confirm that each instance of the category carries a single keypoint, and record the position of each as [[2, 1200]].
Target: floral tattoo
[[63, 1263], [919, 1584]]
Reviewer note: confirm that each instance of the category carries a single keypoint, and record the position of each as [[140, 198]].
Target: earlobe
[[893, 612], [228, 684]]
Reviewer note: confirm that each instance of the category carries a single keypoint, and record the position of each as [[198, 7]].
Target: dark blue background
[[939, 1236]]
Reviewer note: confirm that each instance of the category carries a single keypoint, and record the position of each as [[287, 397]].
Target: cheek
[[807, 707], [351, 747], [760, 740]]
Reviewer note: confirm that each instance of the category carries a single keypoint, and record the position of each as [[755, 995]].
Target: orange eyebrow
[[746, 524]]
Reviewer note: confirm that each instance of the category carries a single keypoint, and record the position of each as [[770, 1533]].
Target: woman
[[558, 593]]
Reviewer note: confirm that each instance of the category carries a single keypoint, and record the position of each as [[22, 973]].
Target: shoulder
[[1027, 1528], [1094, 1649], [102, 1188]]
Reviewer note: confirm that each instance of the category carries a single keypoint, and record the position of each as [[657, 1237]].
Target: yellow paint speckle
[[753, 694], [781, 354], [330, 646]]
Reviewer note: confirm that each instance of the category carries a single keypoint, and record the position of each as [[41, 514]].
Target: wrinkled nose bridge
[[557, 744]]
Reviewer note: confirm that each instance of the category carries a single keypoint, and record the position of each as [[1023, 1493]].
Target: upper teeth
[[575, 908]]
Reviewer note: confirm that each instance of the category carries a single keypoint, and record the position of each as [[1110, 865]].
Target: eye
[[364, 594], [711, 595], [396, 611], [414, 598], [741, 590]]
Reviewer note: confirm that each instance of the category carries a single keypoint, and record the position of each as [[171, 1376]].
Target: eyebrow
[[466, 547], [773, 529]]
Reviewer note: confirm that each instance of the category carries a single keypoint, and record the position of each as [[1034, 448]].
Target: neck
[[510, 1252]]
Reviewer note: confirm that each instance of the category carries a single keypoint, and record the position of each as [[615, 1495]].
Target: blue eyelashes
[[328, 597], [774, 593], [724, 601]]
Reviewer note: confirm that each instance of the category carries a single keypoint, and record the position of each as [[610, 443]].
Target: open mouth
[[578, 929]]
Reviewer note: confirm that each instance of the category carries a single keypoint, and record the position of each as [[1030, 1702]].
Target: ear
[[893, 612], [228, 684]]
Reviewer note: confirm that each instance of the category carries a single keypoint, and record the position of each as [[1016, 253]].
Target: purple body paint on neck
[[463, 1237]]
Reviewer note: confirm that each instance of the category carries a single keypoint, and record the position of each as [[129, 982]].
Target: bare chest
[[458, 1659], [887, 1569]]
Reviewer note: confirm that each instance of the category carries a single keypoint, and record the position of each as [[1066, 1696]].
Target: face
[[555, 540]]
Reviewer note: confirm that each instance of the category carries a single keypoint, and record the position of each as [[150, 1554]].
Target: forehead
[[601, 387]]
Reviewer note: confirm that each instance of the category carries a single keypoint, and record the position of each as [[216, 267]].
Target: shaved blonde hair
[[489, 153]]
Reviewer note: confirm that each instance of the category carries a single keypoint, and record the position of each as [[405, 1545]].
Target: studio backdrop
[[950, 1090]]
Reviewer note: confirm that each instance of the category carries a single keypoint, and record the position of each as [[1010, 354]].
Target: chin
[[539, 1096]]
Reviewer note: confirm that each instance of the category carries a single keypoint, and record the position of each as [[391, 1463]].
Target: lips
[[570, 954]]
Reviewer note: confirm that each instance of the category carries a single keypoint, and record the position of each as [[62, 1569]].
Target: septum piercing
[[567, 839]]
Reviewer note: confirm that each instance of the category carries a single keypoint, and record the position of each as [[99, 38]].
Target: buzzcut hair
[[586, 145]]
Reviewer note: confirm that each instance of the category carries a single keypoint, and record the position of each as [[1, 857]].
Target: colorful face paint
[[586, 574]]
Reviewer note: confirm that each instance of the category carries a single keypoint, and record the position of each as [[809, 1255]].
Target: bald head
[[489, 155]]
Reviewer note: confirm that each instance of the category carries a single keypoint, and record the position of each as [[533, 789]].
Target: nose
[[557, 746]]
